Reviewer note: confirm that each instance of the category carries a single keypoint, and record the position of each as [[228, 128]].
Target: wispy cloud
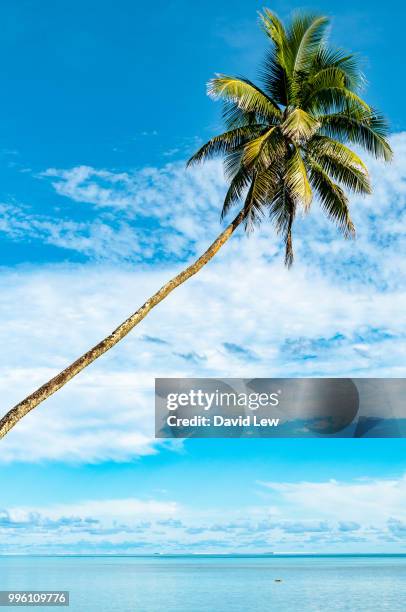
[[170, 212], [97, 240], [345, 501]]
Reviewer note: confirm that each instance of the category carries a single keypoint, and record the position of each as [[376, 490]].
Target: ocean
[[214, 584]]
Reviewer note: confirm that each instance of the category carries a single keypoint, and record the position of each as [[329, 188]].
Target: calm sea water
[[190, 584]]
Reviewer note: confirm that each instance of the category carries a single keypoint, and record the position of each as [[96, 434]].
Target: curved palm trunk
[[41, 394]]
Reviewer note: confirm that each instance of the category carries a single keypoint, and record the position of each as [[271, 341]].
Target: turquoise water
[[213, 584]]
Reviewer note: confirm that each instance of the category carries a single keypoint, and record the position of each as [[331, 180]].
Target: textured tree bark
[[43, 392]]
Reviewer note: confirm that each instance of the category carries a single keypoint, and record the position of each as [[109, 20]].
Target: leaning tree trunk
[[41, 394]]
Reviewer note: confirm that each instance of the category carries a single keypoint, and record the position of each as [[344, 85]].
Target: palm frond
[[330, 76], [289, 243], [274, 28], [234, 116], [296, 179], [352, 178], [332, 199], [299, 125], [236, 190], [274, 78], [258, 194], [320, 80], [256, 148], [348, 64], [333, 96], [226, 142], [232, 163], [266, 150], [323, 145], [245, 94], [341, 164], [305, 36], [282, 214], [365, 129]]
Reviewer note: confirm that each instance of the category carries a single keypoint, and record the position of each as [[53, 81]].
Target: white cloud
[[185, 201], [169, 211], [298, 516], [97, 239], [178, 198], [355, 501], [130, 509], [52, 315], [136, 216]]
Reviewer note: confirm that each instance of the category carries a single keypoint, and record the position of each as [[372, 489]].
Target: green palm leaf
[[332, 199], [266, 150], [256, 149], [236, 190], [348, 64], [244, 93], [299, 125], [323, 145], [332, 96], [257, 196], [367, 130], [351, 177], [275, 80], [297, 182], [226, 142], [305, 37], [234, 116], [274, 28], [341, 163], [282, 214]]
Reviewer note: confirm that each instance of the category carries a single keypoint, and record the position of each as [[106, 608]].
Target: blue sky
[[102, 103]]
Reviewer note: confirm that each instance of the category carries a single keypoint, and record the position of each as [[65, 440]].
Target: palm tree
[[285, 145]]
